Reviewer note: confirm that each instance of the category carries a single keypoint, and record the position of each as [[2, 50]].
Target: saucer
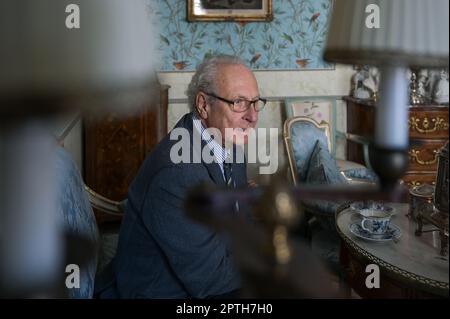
[[392, 232]]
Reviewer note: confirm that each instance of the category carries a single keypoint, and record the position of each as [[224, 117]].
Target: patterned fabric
[[315, 165], [220, 153], [162, 253], [304, 136], [228, 174], [229, 180], [362, 173], [322, 168], [77, 217], [294, 39]]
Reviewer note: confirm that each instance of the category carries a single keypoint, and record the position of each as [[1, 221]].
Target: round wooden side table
[[410, 267]]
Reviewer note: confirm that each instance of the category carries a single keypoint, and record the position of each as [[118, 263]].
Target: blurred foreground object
[[272, 264], [48, 68], [399, 34], [391, 35]]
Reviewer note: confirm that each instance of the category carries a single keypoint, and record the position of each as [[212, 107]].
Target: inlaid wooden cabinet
[[428, 132], [115, 147]]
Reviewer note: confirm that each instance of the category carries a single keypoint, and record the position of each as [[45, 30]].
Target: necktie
[[228, 172], [229, 181]]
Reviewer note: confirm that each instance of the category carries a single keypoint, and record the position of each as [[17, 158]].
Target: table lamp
[[57, 55], [393, 35]]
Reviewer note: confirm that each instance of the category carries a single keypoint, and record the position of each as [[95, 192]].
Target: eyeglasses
[[240, 104]]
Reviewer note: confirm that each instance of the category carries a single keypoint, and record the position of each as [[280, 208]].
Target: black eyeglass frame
[[233, 103]]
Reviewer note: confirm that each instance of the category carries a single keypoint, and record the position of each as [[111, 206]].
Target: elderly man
[[161, 252]]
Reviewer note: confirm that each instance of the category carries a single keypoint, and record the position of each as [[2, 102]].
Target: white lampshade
[[411, 32], [392, 34], [112, 51]]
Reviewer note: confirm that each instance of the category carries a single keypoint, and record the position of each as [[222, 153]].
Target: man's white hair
[[205, 75]]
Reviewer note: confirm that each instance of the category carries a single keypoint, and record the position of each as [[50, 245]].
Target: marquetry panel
[[116, 146], [424, 157], [419, 178], [428, 132], [431, 122]]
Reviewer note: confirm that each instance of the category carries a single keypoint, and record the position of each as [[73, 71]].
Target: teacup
[[375, 222]]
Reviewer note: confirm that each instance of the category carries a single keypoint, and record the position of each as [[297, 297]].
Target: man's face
[[233, 82]]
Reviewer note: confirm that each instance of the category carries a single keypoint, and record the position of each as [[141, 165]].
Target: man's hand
[[252, 184]]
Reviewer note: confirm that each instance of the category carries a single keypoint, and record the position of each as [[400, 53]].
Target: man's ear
[[201, 105]]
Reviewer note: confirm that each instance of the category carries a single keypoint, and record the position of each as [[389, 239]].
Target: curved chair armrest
[[104, 204], [364, 142]]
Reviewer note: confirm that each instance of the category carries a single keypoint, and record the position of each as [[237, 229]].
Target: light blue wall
[[293, 40]]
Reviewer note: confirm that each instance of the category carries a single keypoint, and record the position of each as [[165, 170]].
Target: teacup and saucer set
[[375, 224]]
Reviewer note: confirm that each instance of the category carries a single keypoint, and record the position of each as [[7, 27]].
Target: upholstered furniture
[[75, 202], [300, 137], [308, 146], [428, 132]]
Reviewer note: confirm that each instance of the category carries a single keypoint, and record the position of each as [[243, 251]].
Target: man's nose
[[251, 115]]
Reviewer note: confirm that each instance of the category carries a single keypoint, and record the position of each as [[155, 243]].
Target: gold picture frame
[[229, 10]]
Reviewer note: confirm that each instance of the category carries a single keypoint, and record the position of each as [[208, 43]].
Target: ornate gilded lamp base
[[438, 219]]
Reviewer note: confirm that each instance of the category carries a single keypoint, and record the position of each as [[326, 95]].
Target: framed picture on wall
[[229, 10], [320, 109]]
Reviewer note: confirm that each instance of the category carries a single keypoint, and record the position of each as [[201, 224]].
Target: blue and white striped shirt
[[220, 153]]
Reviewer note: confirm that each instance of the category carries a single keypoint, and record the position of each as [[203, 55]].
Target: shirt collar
[[220, 153]]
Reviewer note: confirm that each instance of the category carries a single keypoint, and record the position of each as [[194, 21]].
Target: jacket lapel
[[216, 173], [213, 168], [240, 174]]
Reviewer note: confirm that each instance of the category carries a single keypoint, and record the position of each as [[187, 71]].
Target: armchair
[[300, 136], [75, 202], [305, 141]]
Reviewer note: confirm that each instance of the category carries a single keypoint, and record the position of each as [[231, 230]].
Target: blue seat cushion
[[362, 173], [322, 168]]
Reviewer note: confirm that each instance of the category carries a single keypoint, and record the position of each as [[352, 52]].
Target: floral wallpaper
[[293, 40]]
